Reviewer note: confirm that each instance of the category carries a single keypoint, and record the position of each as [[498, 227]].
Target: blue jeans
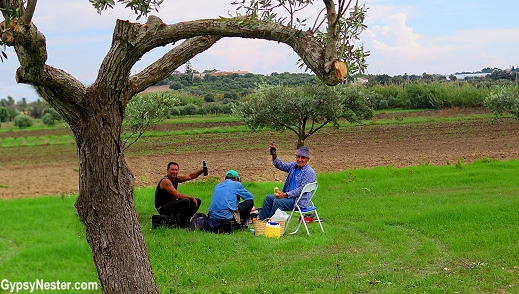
[[271, 204]]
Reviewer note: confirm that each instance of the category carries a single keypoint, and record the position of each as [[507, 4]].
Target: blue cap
[[303, 151]]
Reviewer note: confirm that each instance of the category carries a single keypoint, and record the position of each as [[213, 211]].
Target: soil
[[53, 170]]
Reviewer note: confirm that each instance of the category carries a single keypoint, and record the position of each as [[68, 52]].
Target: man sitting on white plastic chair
[[299, 174]]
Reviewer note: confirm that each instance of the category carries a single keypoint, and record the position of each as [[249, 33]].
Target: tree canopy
[[303, 110], [504, 100]]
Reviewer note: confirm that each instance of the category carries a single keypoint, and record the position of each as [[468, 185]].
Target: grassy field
[[422, 229]]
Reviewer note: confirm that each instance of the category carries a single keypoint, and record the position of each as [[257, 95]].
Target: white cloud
[[396, 48], [256, 56]]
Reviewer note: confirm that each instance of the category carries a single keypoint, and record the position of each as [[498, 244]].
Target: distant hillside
[[232, 85]]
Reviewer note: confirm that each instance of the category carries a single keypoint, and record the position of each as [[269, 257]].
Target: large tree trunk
[[106, 205]]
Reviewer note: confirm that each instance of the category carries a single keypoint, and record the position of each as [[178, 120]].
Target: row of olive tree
[[214, 83], [9, 109], [49, 118], [209, 108]]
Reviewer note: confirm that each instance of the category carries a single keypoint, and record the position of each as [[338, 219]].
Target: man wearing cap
[[299, 174], [225, 201], [169, 201]]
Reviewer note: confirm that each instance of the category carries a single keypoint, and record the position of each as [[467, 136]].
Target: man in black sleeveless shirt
[[168, 201]]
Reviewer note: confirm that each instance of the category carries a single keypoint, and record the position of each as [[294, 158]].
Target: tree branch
[[318, 128], [29, 11], [164, 66], [330, 51], [144, 37]]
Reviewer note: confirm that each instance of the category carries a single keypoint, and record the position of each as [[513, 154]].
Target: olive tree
[[504, 99], [95, 112], [144, 110], [4, 114], [303, 110], [23, 121]]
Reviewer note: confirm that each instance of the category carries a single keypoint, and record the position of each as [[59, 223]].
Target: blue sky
[[403, 36]]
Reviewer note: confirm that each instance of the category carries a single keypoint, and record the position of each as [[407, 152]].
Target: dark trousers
[[244, 208], [181, 210]]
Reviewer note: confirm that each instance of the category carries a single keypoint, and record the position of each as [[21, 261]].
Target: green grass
[[42, 238], [422, 229]]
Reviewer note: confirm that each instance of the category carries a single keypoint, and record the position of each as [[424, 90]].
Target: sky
[[403, 36]]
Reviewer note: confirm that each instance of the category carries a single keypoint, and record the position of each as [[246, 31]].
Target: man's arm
[[244, 193], [191, 176], [283, 166]]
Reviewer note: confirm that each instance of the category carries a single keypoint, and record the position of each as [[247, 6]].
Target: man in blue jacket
[[225, 202], [299, 174]]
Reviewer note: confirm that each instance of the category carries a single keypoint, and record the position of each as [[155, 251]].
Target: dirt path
[[331, 150]]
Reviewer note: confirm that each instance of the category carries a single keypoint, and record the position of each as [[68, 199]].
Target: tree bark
[[106, 205]]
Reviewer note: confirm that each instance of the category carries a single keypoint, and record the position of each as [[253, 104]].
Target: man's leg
[[192, 208], [284, 204], [244, 208], [267, 207], [189, 211], [175, 209]]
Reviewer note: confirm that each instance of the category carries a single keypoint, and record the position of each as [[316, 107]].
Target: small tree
[[189, 109], [201, 110], [48, 119], [174, 111], [176, 85], [504, 99], [13, 112], [303, 110], [4, 114], [55, 115], [209, 97], [22, 121], [144, 110]]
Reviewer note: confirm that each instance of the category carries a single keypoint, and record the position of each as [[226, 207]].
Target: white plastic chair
[[311, 188]]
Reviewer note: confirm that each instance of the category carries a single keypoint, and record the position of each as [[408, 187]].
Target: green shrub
[[383, 104], [437, 94], [55, 115], [189, 109], [175, 111], [209, 98], [22, 121], [4, 114], [176, 85], [504, 99], [48, 119]]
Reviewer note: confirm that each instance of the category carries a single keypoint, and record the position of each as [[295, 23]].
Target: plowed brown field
[[52, 170]]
